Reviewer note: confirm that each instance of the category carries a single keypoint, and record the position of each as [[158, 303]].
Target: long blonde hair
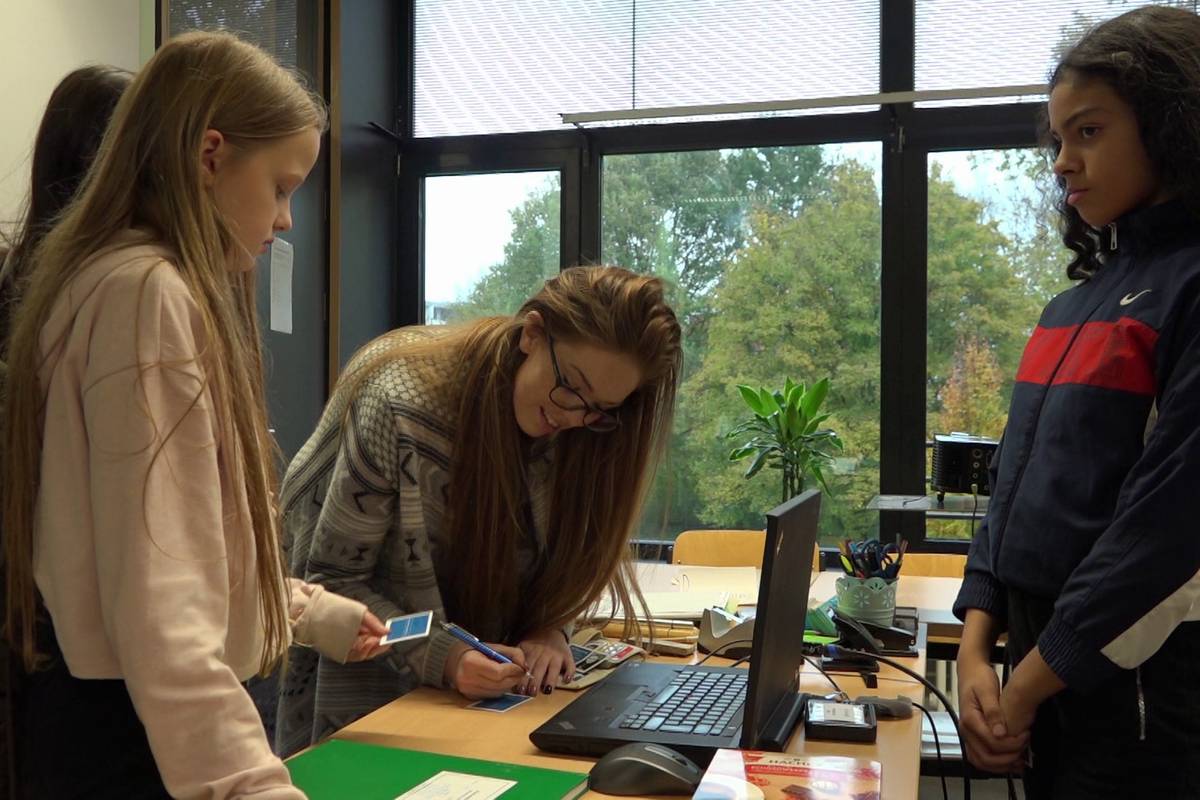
[[147, 176], [599, 480]]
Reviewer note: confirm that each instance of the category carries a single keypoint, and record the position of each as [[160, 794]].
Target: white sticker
[[281, 286], [457, 786]]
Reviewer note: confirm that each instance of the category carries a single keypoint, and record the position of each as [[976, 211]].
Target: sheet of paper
[[670, 605], [735, 580], [458, 786], [676, 591], [656, 576], [281, 286]]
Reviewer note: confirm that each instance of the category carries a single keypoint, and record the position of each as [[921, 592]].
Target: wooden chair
[[935, 565], [726, 549], [719, 548]]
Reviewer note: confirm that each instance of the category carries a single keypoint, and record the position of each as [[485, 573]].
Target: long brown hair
[[147, 177], [598, 480], [66, 142]]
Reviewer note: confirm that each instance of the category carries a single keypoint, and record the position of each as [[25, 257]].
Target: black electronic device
[[960, 464], [858, 666], [891, 640], [843, 722]]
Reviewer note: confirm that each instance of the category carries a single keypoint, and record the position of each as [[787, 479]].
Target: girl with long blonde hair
[[492, 473], [144, 579]]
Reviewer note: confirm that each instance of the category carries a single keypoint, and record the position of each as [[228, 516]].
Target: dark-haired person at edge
[[66, 143]]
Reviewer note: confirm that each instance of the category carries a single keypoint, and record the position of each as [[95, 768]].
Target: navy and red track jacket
[[1095, 499]]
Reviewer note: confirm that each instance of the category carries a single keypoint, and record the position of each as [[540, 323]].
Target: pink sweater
[[142, 546]]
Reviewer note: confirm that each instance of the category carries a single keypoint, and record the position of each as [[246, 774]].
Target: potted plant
[[785, 433]]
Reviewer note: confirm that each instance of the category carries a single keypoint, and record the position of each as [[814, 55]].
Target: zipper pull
[[1112, 236]]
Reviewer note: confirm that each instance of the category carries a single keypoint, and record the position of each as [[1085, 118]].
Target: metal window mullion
[[902, 280]]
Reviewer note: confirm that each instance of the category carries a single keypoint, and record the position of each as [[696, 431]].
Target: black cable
[[974, 508], [828, 677], [740, 661], [936, 692], [722, 647], [938, 744]]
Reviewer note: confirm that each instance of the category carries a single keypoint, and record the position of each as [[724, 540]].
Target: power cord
[[722, 647], [974, 508], [835, 649], [937, 743], [842, 695]]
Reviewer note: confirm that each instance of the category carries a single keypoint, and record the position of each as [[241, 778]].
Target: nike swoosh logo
[[1129, 298]]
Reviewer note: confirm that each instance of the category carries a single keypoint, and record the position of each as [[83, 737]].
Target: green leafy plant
[[785, 433]]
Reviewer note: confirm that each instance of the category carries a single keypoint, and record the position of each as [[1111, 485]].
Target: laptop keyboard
[[697, 702]]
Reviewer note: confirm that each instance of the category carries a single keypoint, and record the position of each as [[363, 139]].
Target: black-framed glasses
[[594, 419]]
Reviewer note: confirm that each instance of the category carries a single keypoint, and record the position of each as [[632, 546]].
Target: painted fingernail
[[547, 689]]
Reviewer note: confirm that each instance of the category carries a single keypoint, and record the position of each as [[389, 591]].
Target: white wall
[[40, 42]]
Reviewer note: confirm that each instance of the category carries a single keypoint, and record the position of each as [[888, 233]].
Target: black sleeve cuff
[[982, 591]]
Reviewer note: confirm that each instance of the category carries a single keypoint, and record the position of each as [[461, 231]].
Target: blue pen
[[472, 641]]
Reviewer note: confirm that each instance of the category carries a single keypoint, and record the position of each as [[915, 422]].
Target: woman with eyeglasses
[[491, 472]]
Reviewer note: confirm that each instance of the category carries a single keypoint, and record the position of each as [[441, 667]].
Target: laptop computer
[[698, 709]]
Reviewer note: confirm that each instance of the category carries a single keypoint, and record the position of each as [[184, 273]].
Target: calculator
[[600, 652]]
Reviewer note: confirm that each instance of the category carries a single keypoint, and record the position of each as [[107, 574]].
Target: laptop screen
[[778, 648]]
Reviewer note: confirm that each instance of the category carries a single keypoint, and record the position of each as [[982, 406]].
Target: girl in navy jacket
[[1089, 557]]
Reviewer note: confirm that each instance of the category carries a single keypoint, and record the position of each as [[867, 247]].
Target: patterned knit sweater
[[364, 505]]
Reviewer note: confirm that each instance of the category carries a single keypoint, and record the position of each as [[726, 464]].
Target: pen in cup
[[472, 641]]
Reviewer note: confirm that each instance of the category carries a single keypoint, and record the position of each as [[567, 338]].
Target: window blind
[[982, 43], [486, 67]]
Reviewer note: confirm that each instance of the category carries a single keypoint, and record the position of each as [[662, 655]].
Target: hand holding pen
[[483, 670]]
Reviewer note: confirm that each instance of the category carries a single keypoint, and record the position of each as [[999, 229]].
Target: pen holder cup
[[867, 599]]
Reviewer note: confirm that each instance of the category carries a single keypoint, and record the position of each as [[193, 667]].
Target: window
[[786, 253], [994, 261], [503, 67], [771, 256], [490, 242]]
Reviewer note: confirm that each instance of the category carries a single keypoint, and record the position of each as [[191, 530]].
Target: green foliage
[[684, 217], [530, 257], [974, 292], [971, 398], [785, 434], [772, 262], [801, 298]]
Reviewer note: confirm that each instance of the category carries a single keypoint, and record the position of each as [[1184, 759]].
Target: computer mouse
[[642, 768]]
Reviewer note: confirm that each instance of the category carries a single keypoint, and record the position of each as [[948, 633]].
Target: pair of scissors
[[892, 559], [874, 559]]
